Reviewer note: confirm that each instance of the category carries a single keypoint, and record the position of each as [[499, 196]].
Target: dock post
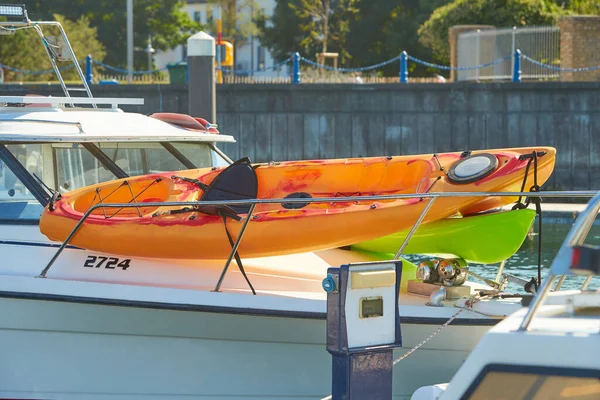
[[363, 328], [202, 94]]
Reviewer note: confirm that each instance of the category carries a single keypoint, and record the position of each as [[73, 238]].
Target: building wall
[[282, 122], [579, 46]]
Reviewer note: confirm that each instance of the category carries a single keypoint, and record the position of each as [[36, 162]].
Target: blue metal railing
[[296, 59]]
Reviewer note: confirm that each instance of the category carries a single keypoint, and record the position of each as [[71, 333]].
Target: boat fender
[[472, 168]]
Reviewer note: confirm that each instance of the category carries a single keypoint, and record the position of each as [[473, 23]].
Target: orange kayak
[[195, 232]]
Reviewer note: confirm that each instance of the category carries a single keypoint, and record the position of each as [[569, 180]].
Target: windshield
[[521, 385], [16, 201], [68, 166]]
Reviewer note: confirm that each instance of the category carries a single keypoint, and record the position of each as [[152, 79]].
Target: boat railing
[[55, 51], [563, 262], [114, 102], [431, 196]]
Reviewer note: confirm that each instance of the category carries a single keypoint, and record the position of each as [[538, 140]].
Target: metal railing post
[[517, 66], [513, 48], [88, 69], [404, 67], [296, 68]]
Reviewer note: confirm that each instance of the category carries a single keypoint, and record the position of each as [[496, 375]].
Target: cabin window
[[520, 384], [199, 154], [16, 201], [144, 158], [76, 167], [218, 160]]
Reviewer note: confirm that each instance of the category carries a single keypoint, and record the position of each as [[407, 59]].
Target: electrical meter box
[[363, 327]]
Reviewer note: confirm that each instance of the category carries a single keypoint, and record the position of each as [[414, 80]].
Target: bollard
[[296, 68], [404, 67], [517, 66], [363, 328], [88, 69], [201, 76]]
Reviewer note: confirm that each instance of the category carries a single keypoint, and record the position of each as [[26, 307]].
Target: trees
[[308, 26], [583, 7], [282, 33], [370, 34], [165, 20], [381, 33], [434, 32], [24, 49], [325, 21]]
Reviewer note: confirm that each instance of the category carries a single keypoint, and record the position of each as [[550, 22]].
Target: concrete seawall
[[279, 122]]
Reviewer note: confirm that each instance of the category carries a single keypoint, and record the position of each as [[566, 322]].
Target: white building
[[248, 57]]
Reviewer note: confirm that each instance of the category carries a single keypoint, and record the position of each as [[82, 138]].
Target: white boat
[[546, 351], [75, 326]]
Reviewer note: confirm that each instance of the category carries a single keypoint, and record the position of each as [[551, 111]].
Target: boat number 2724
[[106, 262]]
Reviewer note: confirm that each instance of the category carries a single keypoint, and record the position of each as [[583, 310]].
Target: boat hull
[[275, 229], [103, 346], [488, 238]]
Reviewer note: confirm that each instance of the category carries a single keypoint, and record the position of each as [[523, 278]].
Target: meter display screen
[[371, 307]]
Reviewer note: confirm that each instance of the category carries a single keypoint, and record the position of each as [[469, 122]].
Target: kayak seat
[[236, 182]]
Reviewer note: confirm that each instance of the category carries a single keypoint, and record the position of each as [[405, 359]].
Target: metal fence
[[482, 46]]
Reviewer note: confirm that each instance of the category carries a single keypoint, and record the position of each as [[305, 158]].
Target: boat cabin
[[58, 148]]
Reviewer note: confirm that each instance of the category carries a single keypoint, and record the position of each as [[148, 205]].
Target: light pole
[[129, 40]]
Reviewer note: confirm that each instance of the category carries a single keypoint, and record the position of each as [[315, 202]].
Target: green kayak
[[486, 238]]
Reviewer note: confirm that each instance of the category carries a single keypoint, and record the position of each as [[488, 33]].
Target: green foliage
[[381, 33], [581, 7], [282, 32], [165, 20], [372, 33], [307, 27], [24, 49], [434, 32], [325, 22]]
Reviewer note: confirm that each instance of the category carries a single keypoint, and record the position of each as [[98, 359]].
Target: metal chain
[[489, 64], [359, 69], [469, 304], [555, 68]]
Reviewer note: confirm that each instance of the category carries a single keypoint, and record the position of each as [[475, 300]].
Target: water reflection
[[524, 263]]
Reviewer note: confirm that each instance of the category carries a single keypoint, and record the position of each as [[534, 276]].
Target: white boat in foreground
[[546, 351]]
